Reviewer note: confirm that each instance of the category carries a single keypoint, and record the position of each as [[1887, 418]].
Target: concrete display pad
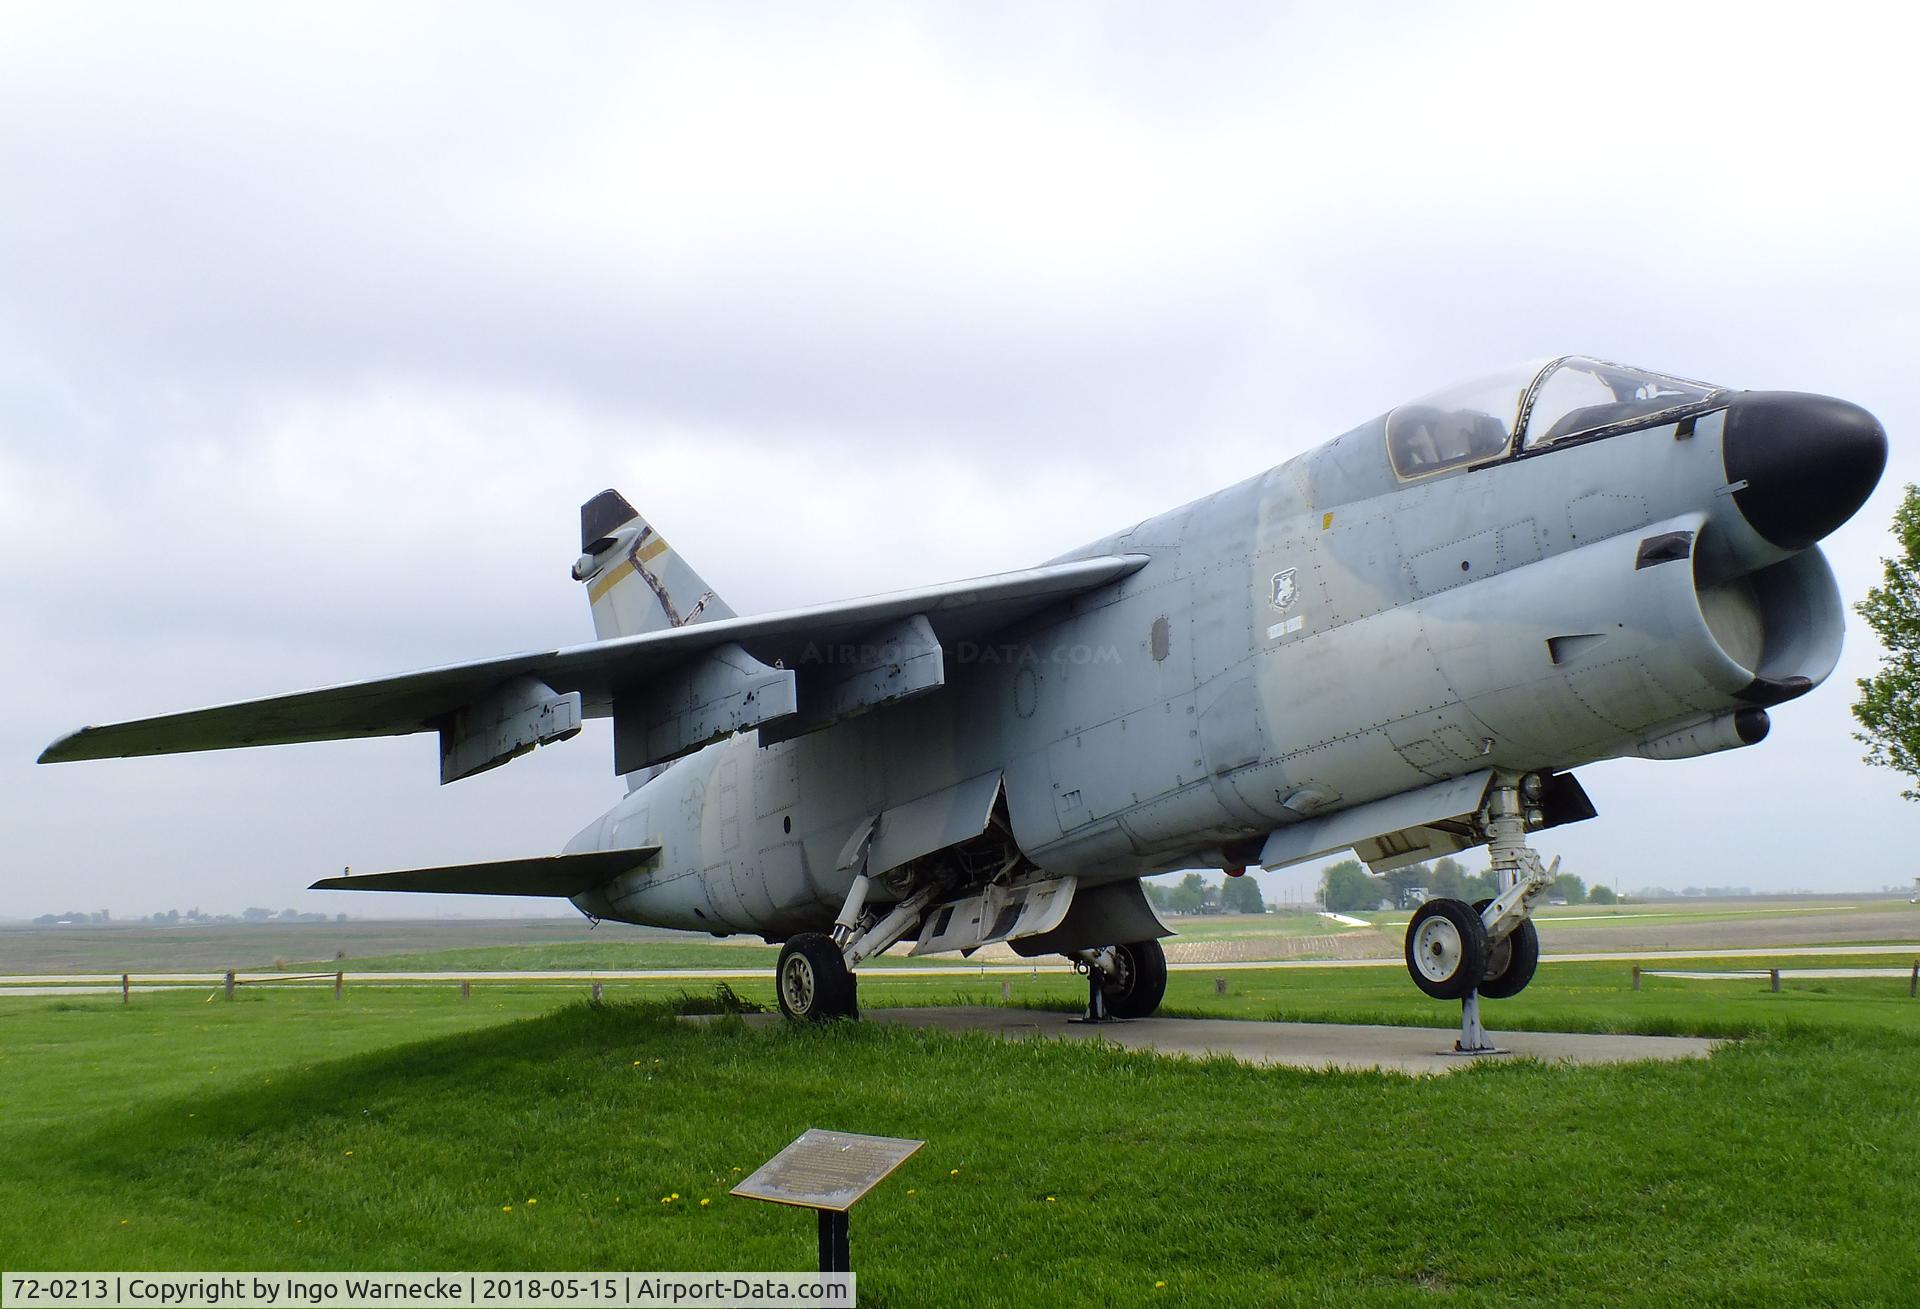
[[1413, 1050]]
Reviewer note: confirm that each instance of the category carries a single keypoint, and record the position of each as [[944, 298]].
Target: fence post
[[1913, 982], [1773, 979], [229, 983], [1636, 977], [1006, 992], [339, 983], [596, 993], [1219, 986], [466, 990], [126, 989]]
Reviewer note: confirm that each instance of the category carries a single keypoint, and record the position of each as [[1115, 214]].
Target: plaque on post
[[828, 1172]]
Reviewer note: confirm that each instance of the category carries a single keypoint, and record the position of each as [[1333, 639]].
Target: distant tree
[[1569, 888], [1401, 880], [1157, 895], [46, 920], [1190, 896], [1241, 895], [1346, 887], [257, 915], [1602, 894], [1889, 705], [1447, 879]]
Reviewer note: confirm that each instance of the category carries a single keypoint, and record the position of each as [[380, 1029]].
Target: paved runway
[[1412, 1050]]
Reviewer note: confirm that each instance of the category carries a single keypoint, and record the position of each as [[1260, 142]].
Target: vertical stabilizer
[[635, 581]]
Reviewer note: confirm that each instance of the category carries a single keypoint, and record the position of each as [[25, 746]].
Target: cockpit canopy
[[1543, 403]]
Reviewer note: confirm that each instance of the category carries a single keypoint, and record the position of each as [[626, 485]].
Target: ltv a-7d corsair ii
[[1397, 643]]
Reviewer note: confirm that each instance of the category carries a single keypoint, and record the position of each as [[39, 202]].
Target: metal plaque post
[[828, 1172]]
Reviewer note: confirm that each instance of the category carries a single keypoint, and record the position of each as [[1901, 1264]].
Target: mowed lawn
[[524, 1129]]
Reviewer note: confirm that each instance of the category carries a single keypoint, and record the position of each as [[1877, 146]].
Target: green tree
[[1346, 887], [1889, 705], [1569, 888], [1447, 880], [1190, 895], [1602, 894], [1241, 895]]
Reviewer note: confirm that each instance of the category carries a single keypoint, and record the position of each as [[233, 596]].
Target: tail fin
[[635, 581]]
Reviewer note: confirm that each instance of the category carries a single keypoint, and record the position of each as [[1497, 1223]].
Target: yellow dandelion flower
[[123, 1222], [349, 1152], [506, 1208], [1049, 1199], [531, 1200], [666, 1199], [704, 1202], [953, 1172], [675, 1196], [1159, 1286], [911, 1190]]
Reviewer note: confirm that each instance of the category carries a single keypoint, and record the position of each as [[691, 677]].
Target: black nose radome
[[1806, 461]]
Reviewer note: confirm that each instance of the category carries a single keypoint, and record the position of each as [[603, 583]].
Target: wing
[[669, 692], [557, 875]]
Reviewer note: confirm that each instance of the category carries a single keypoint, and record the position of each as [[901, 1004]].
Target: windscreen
[[1577, 396]]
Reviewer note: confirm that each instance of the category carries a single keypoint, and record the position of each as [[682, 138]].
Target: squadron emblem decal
[[1284, 591]]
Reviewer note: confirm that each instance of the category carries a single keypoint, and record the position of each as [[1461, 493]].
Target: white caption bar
[[424, 1290]]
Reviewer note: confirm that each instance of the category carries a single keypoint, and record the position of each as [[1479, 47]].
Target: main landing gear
[[1457, 951], [1123, 981], [813, 981]]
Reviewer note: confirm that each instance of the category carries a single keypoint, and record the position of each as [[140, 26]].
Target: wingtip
[[59, 752]]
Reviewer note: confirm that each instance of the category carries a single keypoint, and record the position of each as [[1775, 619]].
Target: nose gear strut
[[1460, 951]]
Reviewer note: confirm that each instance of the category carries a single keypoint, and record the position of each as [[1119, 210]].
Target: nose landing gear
[[1456, 951]]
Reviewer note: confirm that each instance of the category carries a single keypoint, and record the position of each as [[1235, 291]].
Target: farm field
[[526, 1130], [570, 944]]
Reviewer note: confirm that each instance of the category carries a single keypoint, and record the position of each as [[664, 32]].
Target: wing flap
[[563, 875], [600, 671]]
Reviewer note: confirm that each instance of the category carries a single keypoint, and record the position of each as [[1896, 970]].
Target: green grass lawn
[[526, 1130]]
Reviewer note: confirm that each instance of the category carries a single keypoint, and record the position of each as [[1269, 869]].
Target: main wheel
[[1446, 949], [1139, 981], [812, 980], [1510, 960]]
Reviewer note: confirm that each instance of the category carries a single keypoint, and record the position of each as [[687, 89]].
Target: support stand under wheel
[[1473, 1037]]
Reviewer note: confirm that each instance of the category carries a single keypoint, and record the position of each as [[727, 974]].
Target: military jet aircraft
[[1398, 643]]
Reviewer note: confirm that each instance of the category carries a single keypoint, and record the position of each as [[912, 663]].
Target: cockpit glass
[[1467, 424], [1575, 396]]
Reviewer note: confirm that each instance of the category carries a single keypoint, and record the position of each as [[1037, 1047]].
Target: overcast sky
[[317, 325]]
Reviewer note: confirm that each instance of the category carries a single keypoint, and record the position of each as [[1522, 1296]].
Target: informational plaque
[[827, 1170]]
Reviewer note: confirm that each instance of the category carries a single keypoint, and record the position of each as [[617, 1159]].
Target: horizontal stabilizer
[[557, 875]]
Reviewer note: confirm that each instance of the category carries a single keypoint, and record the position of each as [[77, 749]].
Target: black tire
[[1446, 949], [1140, 982], [812, 980], [1510, 962]]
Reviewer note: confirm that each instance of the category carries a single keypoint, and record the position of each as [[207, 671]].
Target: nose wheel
[[1446, 949]]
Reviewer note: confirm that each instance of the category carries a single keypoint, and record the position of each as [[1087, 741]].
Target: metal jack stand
[[1473, 1037]]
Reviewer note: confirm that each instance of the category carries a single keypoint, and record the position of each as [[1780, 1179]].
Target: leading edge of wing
[[417, 701], [563, 875]]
